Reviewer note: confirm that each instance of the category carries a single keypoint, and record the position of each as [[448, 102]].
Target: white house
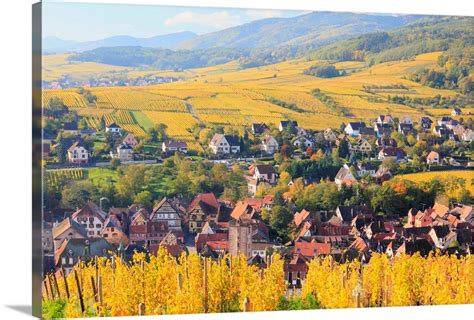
[[113, 128], [302, 142], [124, 152], [456, 112], [92, 218], [361, 145], [344, 176], [406, 120], [264, 172], [330, 135], [363, 169], [353, 128], [384, 119], [224, 144], [172, 146], [269, 145], [77, 153], [433, 158], [286, 123], [468, 135]]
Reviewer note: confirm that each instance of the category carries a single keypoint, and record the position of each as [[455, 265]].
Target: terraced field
[[230, 96]]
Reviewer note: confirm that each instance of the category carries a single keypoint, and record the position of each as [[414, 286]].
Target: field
[[229, 96], [467, 175], [57, 177]]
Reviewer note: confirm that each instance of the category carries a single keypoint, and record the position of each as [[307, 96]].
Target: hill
[[314, 29], [56, 45]]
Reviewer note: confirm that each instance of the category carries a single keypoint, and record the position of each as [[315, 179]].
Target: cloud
[[263, 14], [215, 20]]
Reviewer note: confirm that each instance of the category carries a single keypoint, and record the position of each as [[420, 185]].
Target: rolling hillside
[[238, 97]]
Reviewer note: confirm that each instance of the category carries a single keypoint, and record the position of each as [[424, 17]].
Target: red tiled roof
[[201, 239], [207, 200], [242, 210], [300, 216], [312, 249]]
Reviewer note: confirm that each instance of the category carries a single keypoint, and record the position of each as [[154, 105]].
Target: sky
[[86, 21]]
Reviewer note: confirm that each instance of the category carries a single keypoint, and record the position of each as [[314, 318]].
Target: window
[[63, 260], [98, 225], [71, 261], [91, 233]]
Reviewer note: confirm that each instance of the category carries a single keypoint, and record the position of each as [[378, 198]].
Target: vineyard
[[56, 178], [229, 96], [191, 284]]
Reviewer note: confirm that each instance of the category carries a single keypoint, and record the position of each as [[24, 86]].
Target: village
[[276, 214]]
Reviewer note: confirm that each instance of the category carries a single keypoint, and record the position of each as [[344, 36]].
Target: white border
[[15, 160]]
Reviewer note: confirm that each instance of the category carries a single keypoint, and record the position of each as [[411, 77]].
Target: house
[[130, 140], [385, 142], [203, 208], [442, 237], [433, 158], [151, 232], [269, 145], [312, 249], [113, 232], [367, 132], [259, 128], [365, 169], [348, 213], [456, 112], [168, 211], [330, 135], [172, 146], [465, 212], [67, 229], [243, 211], [139, 217], [91, 217], [444, 121], [442, 131], [224, 144], [468, 135], [286, 124], [264, 172], [353, 128], [113, 128], [360, 145], [406, 128], [203, 239], [77, 154], [73, 250], [381, 130], [300, 217], [124, 152], [295, 270], [426, 123], [395, 153], [344, 176], [70, 128], [406, 120], [302, 142], [254, 184], [383, 174], [384, 120]]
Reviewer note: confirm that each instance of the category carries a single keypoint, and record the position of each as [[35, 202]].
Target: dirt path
[[191, 111]]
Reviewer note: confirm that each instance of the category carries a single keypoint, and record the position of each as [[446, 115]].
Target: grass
[[143, 120], [101, 175]]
